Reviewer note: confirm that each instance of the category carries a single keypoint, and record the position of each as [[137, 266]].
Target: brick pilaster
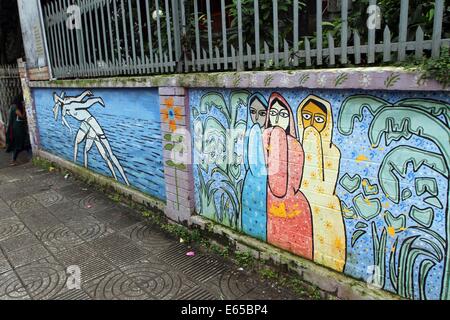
[[175, 128]]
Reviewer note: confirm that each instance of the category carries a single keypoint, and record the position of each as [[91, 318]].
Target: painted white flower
[[284, 81], [253, 81], [365, 80], [322, 80]]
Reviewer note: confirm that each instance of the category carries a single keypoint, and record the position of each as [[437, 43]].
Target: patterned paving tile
[[5, 211], [112, 214], [94, 202], [27, 255], [200, 267], [67, 211], [149, 238], [11, 287], [4, 264], [89, 228], [158, 279], [11, 227], [109, 242], [59, 238], [39, 220], [125, 255], [232, 284], [22, 241], [43, 279], [91, 265], [73, 294], [49, 198], [24, 204], [116, 286]]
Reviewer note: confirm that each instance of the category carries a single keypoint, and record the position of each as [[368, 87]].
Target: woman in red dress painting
[[289, 222]]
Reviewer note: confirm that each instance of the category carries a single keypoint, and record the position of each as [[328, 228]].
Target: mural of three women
[[298, 168]]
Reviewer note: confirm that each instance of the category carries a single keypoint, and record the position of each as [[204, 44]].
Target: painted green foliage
[[410, 259], [219, 133]]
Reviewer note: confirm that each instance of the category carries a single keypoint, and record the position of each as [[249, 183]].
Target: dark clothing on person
[[20, 136], [10, 128]]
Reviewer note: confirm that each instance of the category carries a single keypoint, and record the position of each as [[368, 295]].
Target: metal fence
[[132, 37], [10, 87]]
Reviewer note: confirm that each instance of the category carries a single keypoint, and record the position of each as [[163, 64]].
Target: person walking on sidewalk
[[10, 125], [20, 132]]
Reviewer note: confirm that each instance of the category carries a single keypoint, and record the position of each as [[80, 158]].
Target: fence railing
[[132, 37], [10, 87], [9, 71]]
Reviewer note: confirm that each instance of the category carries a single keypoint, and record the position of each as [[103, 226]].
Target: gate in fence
[[10, 87]]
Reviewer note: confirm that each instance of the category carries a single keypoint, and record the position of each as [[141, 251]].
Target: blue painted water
[[131, 123]]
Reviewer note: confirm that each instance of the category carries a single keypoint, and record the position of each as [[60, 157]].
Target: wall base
[[329, 281], [135, 196]]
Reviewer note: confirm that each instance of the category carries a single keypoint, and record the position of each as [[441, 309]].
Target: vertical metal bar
[[67, 44], [64, 34], [80, 35], [295, 40], [371, 38], [61, 46], [344, 31], [208, 19], [224, 34], [97, 28], [240, 39], [197, 31], [403, 29], [133, 42], [125, 36], [141, 38], [158, 24], [47, 48], [319, 31], [275, 32], [111, 42], [169, 32], [116, 24], [75, 49], [183, 33], [86, 35], [92, 35], [105, 46], [176, 34], [150, 40], [437, 28], [52, 37]]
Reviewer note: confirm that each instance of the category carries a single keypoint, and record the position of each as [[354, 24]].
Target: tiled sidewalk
[[48, 223]]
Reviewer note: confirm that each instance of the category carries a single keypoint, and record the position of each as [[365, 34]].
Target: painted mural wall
[[357, 181], [112, 132]]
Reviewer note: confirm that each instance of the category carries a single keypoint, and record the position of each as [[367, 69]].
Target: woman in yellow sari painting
[[321, 170]]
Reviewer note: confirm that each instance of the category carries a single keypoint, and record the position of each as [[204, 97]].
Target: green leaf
[[170, 163], [180, 166], [168, 137], [358, 234], [169, 147]]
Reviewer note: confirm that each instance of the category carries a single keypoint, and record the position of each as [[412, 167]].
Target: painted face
[[258, 113], [279, 116], [314, 116]]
